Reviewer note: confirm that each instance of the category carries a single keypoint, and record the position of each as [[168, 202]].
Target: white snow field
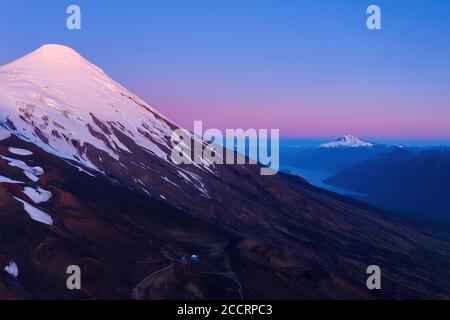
[[35, 213], [38, 195], [31, 172], [8, 180], [12, 269], [20, 152]]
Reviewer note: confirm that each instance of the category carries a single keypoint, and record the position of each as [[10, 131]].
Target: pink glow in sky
[[310, 68]]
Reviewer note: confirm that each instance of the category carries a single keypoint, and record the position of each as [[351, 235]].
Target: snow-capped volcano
[[347, 141], [60, 101]]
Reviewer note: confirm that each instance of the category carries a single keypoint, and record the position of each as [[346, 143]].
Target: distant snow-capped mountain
[[347, 141]]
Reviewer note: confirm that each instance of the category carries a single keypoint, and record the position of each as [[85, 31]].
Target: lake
[[316, 178]]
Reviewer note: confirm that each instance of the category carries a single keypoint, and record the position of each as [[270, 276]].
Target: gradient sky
[[310, 68]]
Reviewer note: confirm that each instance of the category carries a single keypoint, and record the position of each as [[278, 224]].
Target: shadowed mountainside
[[130, 246]]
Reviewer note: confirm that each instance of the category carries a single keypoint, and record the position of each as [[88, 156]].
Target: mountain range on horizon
[[334, 156], [86, 179]]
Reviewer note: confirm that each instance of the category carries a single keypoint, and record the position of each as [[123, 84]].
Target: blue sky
[[310, 68]]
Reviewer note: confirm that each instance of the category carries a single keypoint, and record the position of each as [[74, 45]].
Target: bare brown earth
[[257, 238]]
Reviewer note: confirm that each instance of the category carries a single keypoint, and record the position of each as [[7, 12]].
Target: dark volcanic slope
[[281, 238]]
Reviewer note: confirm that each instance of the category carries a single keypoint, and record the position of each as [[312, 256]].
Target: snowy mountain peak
[[60, 101], [53, 59], [57, 49], [65, 105], [347, 141], [53, 53]]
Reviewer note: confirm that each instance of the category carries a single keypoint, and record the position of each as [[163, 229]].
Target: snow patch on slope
[[170, 181], [38, 195], [31, 172], [80, 169], [20, 152], [195, 180], [8, 180], [12, 269], [35, 213]]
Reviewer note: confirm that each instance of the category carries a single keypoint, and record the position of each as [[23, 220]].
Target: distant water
[[316, 178]]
